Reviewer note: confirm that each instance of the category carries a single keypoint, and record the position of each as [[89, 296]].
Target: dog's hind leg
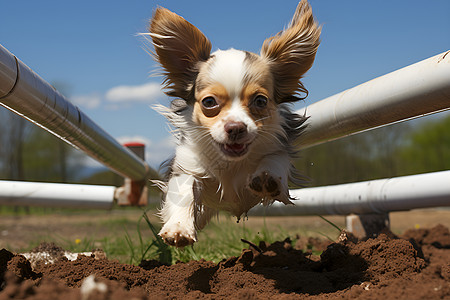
[[177, 212]]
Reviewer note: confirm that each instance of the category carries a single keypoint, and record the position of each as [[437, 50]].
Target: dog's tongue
[[236, 147], [234, 150]]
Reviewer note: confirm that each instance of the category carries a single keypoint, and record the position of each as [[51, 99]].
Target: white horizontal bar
[[25, 93], [375, 196], [23, 193], [419, 89]]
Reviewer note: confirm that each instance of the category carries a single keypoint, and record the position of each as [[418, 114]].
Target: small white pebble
[[365, 286]]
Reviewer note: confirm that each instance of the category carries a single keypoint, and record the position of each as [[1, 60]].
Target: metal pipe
[[25, 93], [56, 195], [8, 73], [369, 197], [419, 89]]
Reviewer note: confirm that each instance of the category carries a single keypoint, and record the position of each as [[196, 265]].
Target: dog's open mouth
[[234, 150]]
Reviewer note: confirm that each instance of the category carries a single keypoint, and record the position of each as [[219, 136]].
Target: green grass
[[130, 238], [219, 240]]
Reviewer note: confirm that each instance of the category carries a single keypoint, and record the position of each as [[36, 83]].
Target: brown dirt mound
[[415, 266]]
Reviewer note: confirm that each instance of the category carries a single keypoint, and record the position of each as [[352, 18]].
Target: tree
[[14, 130], [364, 156], [427, 148], [44, 155]]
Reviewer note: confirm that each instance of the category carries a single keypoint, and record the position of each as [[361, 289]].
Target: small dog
[[235, 127]]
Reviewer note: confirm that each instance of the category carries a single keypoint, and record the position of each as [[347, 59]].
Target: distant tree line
[[402, 149], [28, 152]]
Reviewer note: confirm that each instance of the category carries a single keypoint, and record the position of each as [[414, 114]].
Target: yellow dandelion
[[77, 241]]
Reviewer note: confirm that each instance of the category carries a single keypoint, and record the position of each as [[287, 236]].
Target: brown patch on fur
[[251, 90], [248, 95], [258, 72], [204, 117], [218, 92], [179, 46], [291, 53]]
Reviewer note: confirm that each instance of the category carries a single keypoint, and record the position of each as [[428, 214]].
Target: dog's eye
[[260, 101], [209, 102]]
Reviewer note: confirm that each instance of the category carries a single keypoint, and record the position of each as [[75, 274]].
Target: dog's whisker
[[263, 118], [269, 135]]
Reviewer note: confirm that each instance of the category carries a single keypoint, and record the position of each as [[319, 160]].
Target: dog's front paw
[[267, 186], [176, 235], [264, 184]]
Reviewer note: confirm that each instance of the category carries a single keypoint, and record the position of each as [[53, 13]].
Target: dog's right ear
[[179, 47]]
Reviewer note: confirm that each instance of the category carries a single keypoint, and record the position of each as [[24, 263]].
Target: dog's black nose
[[235, 130]]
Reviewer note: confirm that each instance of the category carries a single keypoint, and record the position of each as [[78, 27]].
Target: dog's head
[[234, 93]]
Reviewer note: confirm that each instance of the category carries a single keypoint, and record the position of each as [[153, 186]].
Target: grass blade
[[331, 223]]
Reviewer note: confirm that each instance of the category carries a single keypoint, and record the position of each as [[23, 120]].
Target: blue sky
[[91, 51]]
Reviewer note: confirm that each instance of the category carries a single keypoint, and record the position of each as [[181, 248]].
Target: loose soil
[[415, 265]]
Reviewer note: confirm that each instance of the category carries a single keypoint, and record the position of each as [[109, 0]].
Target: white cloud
[[116, 97], [150, 92], [90, 101]]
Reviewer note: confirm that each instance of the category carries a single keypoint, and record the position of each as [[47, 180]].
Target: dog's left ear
[[179, 47], [291, 53]]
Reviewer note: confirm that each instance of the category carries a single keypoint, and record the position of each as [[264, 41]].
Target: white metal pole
[[25, 93], [369, 197], [419, 89], [56, 195]]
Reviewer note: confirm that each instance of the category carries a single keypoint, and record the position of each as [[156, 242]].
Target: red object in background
[[136, 189]]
